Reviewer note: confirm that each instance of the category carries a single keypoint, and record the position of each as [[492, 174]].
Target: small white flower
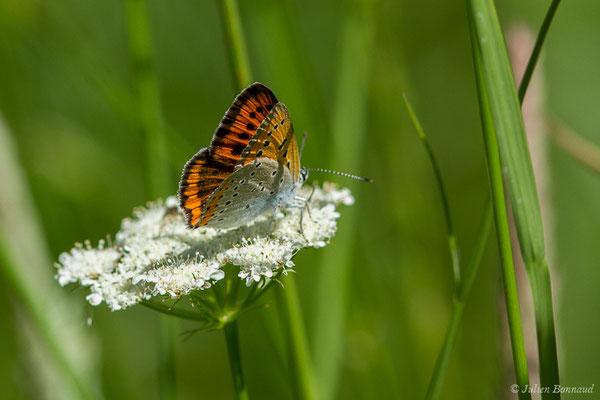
[[155, 254]]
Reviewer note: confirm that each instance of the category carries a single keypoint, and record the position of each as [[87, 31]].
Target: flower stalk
[[235, 361]]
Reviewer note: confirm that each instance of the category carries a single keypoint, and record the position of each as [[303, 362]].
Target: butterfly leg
[[271, 221], [305, 206]]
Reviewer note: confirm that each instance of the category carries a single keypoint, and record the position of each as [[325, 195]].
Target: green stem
[[34, 307], [537, 48], [173, 311], [452, 243], [150, 117], [24, 269], [501, 219], [300, 351], [235, 361], [541, 291], [234, 36], [460, 298], [151, 123]]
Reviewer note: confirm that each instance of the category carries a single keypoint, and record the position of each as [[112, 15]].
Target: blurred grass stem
[[151, 123], [299, 342], [349, 120], [236, 45], [24, 265]]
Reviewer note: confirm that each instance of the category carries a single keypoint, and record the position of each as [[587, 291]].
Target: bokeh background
[[67, 97]]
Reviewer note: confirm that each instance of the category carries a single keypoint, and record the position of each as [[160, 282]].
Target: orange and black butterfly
[[251, 166]]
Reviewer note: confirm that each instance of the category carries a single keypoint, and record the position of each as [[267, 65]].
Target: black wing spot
[[281, 145], [258, 164], [285, 154], [259, 153], [271, 192], [262, 189], [289, 163], [221, 212], [221, 131], [235, 188], [228, 202], [243, 181], [252, 173], [252, 115], [244, 136], [235, 194], [282, 121], [247, 206], [259, 110], [274, 173], [250, 126], [267, 142], [220, 219], [237, 149], [281, 180]]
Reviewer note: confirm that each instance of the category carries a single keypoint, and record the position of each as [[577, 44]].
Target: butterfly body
[[252, 165]]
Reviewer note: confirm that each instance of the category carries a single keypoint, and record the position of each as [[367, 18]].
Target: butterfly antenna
[[303, 143], [360, 178]]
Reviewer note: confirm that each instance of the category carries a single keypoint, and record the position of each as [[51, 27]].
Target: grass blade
[[25, 266], [496, 75], [151, 123], [236, 45], [500, 216], [349, 133], [452, 243]]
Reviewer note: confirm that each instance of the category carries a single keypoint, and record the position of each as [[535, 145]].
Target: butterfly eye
[[304, 174]]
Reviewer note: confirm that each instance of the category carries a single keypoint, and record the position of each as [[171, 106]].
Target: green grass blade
[[236, 45], [150, 117], [299, 343], [151, 123], [349, 132], [537, 48], [460, 298], [25, 268], [452, 242], [516, 163], [500, 211]]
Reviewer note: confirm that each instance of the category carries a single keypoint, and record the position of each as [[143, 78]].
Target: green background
[[67, 95]]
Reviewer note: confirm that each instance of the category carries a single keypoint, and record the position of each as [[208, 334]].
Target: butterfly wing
[[275, 139], [265, 175], [211, 166]]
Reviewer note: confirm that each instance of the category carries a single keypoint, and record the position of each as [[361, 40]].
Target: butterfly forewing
[[275, 139], [204, 173]]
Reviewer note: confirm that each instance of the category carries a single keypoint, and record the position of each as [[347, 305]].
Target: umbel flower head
[[154, 254]]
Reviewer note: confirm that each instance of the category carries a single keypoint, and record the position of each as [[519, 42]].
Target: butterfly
[[251, 166]]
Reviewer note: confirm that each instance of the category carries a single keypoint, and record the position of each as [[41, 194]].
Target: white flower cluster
[[155, 254]]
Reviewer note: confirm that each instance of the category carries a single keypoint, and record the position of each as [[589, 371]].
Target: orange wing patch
[[210, 167], [275, 139]]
